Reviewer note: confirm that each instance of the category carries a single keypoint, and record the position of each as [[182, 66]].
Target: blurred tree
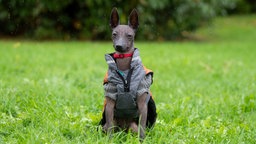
[[243, 7], [88, 19]]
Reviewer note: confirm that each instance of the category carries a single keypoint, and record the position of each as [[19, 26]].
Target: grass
[[51, 92]]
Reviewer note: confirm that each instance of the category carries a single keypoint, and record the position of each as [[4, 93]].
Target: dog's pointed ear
[[134, 19], [114, 18]]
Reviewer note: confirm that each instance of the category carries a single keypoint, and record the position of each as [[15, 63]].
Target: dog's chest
[[123, 64]]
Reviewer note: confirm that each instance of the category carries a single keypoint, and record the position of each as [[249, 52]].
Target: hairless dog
[[128, 102]]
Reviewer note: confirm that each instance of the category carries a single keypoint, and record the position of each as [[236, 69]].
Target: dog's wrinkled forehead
[[123, 30]]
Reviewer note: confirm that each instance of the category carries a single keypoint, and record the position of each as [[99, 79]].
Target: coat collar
[[136, 60]]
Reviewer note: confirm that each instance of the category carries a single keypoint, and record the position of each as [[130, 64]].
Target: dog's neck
[[124, 63]]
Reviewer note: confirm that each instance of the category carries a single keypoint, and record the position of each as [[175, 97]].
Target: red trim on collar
[[122, 55]]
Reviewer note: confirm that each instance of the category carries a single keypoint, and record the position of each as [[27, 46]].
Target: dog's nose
[[119, 48]]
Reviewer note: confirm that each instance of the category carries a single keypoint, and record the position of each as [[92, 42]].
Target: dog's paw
[[105, 128], [108, 129]]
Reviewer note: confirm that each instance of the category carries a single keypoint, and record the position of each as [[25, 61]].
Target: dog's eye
[[129, 36]]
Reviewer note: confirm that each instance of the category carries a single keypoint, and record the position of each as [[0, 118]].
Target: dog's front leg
[[143, 111], [109, 113]]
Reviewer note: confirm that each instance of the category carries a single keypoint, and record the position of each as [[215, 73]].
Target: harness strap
[[128, 78]]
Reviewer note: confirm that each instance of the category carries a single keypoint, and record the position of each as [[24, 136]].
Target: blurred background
[[88, 19]]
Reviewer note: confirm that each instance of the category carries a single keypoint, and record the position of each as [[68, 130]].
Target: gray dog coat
[[125, 86]]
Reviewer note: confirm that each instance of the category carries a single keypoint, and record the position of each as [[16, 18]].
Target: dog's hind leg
[[133, 127]]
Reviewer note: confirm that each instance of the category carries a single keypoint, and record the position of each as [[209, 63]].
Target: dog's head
[[123, 35]]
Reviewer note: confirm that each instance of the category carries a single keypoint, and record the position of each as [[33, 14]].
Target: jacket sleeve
[[110, 90], [144, 85]]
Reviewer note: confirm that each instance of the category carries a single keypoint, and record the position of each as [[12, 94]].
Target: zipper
[[126, 81]]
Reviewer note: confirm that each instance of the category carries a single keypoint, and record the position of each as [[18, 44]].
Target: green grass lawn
[[205, 92]]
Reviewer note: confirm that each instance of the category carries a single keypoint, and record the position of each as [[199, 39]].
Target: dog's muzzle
[[120, 48]]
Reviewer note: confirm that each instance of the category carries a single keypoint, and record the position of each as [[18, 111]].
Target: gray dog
[[128, 102]]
